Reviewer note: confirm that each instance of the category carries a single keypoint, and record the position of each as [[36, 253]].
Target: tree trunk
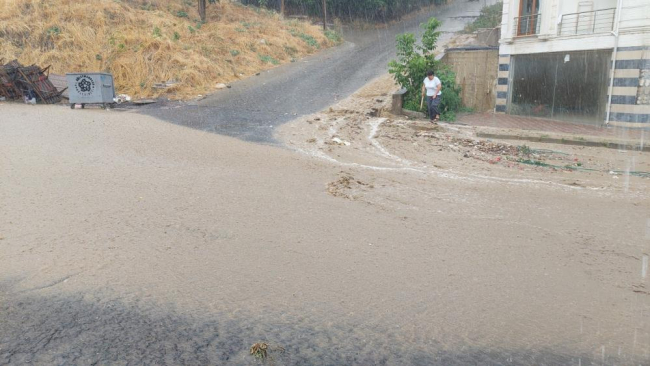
[[282, 7], [324, 15], [202, 11]]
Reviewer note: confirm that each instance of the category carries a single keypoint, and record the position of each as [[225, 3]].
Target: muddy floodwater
[[130, 240], [86, 329]]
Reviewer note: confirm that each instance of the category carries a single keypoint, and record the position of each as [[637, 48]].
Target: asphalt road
[[255, 106]]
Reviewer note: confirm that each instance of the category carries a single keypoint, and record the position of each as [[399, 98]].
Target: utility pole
[[282, 7], [324, 15]]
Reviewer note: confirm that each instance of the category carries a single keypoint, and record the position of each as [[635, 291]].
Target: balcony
[[527, 25], [588, 22]]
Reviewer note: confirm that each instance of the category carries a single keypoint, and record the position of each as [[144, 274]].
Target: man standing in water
[[433, 87]]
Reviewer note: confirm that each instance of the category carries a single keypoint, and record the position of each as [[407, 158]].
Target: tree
[[410, 68], [203, 9], [325, 15]]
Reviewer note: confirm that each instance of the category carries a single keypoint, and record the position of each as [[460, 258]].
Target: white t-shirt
[[432, 86]]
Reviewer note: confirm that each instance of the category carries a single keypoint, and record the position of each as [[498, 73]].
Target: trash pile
[[29, 83]]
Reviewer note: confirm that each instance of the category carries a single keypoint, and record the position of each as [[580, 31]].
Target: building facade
[[580, 61]]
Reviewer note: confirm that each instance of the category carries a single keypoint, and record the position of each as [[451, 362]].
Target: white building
[[556, 58]]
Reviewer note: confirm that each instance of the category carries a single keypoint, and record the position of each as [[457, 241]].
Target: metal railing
[[527, 25], [587, 22]]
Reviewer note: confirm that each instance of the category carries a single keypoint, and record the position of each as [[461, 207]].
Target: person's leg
[[435, 106], [430, 108]]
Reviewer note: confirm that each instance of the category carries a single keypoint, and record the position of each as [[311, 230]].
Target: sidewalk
[[505, 126]]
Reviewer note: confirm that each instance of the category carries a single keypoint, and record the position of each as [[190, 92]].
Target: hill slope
[[147, 42]]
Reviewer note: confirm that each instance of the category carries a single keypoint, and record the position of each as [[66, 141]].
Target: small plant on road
[[525, 149], [410, 68], [259, 350], [262, 351]]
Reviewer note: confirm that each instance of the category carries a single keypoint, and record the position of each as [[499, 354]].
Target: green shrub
[[269, 60], [311, 41], [181, 14], [234, 53], [54, 31], [413, 62], [333, 36], [490, 17]]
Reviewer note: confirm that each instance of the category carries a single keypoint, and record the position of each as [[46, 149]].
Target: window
[[529, 18]]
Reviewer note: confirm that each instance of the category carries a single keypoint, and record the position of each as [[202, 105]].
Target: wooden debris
[[18, 81]]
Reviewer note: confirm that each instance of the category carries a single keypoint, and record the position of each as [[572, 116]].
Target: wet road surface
[[253, 107], [86, 330]]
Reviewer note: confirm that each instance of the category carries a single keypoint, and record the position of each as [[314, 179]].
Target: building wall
[[475, 71], [503, 82], [567, 7], [630, 93], [631, 68]]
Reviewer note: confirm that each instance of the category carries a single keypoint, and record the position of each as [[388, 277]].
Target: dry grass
[[147, 42]]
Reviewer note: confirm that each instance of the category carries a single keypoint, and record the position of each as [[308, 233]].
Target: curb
[[566, 141]]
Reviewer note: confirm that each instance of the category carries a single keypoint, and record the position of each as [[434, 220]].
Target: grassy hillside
[[147, 42]]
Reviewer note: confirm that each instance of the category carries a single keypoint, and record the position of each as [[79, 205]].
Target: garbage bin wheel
[[83, 105], [71, 105]]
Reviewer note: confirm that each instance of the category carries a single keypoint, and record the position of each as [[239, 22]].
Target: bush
[[490, 18], [268, 60], [410, 68], [333, 36]]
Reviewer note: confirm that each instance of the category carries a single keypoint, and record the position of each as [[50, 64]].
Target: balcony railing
[[588, 22], [527, 25]]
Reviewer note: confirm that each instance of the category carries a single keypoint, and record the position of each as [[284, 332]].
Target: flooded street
[[298, 216], [130, 240]]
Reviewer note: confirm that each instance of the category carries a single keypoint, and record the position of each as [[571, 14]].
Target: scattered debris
[[344, 185], [374, 112], [122, 98], [144, 101], [338, 141], [27, 83], [166, 84], [221, 86]]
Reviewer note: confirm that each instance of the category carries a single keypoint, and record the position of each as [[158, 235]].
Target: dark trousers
[[433, 105]]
